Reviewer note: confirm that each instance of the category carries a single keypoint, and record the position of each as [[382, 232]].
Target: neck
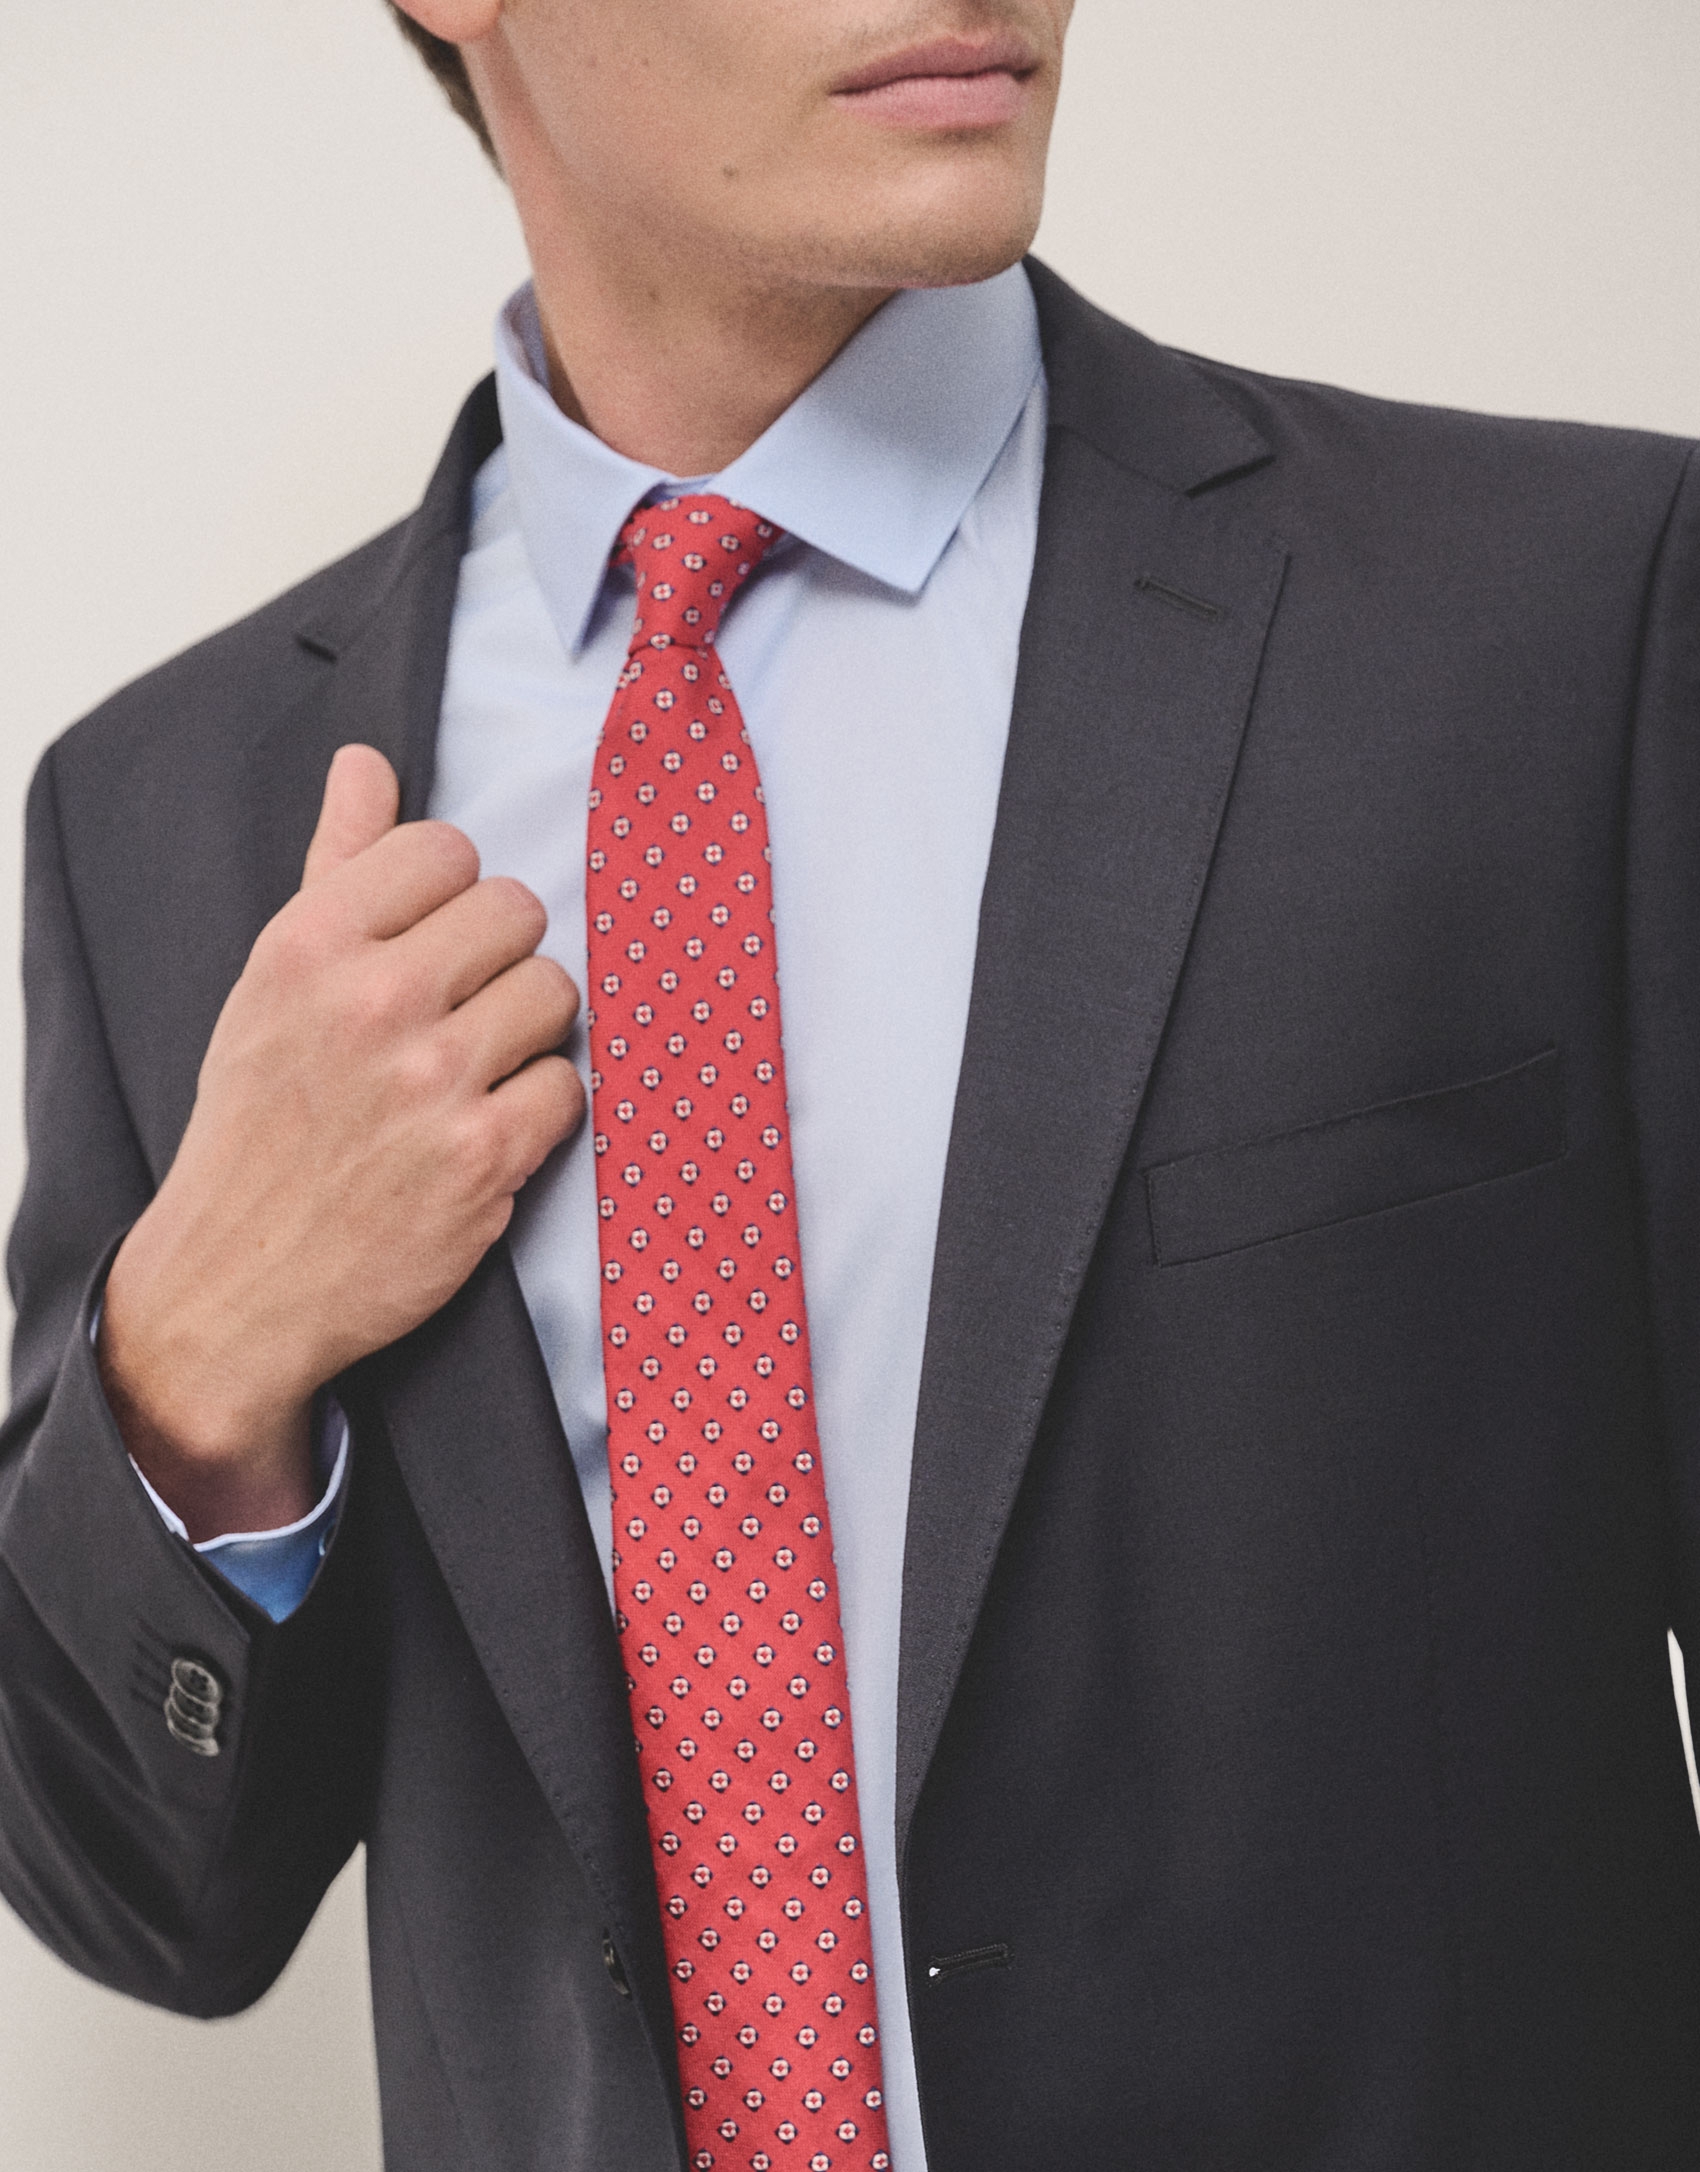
[[672, 363], [681, 381]]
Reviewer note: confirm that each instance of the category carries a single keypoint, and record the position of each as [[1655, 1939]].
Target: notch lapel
[[1145, 630], [465, 1402], [387, 638]]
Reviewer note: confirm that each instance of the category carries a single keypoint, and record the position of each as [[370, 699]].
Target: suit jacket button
[[611, 1960], [193, 1706], [197, 1681]]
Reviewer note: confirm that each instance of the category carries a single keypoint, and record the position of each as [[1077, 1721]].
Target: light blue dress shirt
[[275, 1567], [874, 658]]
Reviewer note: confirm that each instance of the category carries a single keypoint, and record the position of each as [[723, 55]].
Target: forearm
[[180, 1877]]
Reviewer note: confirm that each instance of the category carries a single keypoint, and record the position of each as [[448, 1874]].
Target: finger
[[477, 934], [393, 885], [362, 799], [537, 1108], [523, 1013]]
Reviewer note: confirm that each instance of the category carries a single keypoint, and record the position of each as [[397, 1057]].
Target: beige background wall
[[246, 269]]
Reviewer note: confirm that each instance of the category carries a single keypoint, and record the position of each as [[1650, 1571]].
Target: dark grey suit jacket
[[1308, 1462]]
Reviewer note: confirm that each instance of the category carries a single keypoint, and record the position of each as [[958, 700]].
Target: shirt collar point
[[919, 456]]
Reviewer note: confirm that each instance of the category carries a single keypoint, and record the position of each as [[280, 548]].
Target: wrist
[[225, 1444]]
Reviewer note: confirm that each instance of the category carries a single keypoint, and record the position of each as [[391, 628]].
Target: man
[[1129, 1471]]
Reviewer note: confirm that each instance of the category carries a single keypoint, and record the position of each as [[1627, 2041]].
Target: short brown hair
[[445, 63]]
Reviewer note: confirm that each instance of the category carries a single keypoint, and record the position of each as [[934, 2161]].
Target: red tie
[[723, 1571]]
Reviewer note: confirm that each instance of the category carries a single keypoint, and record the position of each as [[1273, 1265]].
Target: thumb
[[362, 798]]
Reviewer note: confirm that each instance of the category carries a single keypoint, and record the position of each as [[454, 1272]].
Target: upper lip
[[1005, 53]]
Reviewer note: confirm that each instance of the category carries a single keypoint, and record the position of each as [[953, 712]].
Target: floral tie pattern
[[724, 1582]]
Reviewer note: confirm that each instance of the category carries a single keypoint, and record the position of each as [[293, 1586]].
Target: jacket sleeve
[[1662, 982], [178, 1857]]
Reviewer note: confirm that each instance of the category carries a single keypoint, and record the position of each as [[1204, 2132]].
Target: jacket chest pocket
[[1362, 1163]]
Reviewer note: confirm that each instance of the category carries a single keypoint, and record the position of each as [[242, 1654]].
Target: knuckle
[[561, 1092], [445, 855], [538, 1113], [549, 996], [570, 1087], [457, 852], [426, 1068], [518, 905], [561, 990], [372, 1005]]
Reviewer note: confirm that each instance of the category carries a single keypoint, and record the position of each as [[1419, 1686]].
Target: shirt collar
[[875, 463]]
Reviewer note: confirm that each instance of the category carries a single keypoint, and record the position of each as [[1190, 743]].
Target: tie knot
[[691, 556]]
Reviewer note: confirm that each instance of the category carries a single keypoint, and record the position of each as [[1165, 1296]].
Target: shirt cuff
[[276, 1568], [273, 1568]]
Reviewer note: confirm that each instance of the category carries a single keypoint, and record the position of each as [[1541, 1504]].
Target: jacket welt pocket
[[1390, 1156]]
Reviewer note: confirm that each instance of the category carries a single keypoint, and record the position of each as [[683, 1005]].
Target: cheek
[[660, 146], [659, 84], [683, 89]]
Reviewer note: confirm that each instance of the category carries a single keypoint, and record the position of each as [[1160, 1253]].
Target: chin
[[953, 238], [955, 258]]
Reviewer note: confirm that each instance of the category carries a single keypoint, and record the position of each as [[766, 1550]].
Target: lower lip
[[990, 100]]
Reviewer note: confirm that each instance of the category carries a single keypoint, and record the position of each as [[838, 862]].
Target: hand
[[380, 1083]]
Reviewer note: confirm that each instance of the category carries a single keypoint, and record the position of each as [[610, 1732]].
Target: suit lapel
[[465, 1402], [1143, 635], [388, 638], [1145, 628], [466, 1405]]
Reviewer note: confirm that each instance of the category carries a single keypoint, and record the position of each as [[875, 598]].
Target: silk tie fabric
[[724, 1584]]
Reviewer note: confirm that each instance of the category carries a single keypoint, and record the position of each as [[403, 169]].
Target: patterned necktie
[[723, 1572]]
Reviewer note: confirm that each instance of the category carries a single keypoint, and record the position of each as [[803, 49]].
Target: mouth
[[947, 83]]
